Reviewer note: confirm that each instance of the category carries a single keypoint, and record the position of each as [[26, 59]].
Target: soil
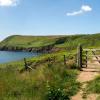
[[87, 74]]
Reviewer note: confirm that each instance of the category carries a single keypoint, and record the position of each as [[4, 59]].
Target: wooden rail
[[93, 55], [80, 54], [96, 56], [49, 60], [80, 51], [91, 49], [26, 65]]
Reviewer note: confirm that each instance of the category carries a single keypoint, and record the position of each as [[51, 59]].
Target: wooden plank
[[91, 49], [93, 55], [96, 57], [30, 67], [26, 65], [95, 60]]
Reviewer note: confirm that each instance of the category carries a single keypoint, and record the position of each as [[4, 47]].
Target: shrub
[[54, 93]]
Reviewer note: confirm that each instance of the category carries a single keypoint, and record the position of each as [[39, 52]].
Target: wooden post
[[64, 59], [79, 57], [76, 58], [86, 58], [54, 59], [49, 60], [25, 64]]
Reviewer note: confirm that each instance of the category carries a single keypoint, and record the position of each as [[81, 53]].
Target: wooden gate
[[84, 54]]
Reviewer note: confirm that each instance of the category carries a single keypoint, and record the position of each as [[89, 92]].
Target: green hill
[[34, 43], [29, 41], [49, 80]]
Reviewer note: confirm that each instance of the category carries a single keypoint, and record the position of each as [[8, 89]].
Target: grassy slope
[[28, 41], [54, 82], [50, 81], [68, 42]]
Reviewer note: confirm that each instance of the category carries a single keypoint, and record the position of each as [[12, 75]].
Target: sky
[[49, 17]]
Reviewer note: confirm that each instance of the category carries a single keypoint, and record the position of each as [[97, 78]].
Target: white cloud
[[84, 8], [8, 2], [74, 13]]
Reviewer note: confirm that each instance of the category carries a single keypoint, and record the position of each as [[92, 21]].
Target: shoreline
[[43, 49]]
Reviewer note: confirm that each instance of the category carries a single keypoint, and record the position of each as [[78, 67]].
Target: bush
[[54, 93]]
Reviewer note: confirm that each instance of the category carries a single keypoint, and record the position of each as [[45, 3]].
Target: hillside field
[[49, 80], [49, 42]]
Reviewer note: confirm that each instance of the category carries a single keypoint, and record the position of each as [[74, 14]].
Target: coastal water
[[8, 56]]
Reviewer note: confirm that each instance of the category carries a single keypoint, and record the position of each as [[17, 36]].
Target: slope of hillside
[[47, 80], [44, 43], [30, 43]]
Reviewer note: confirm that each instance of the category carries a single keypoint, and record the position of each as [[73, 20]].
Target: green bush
[[56, 94]]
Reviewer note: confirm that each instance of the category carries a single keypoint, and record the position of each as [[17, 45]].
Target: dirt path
[[86, 75]]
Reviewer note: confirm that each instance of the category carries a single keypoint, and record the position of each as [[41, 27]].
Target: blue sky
[[49, 17]]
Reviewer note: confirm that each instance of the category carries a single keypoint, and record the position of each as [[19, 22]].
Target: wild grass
[[94, 86], [47, 82]]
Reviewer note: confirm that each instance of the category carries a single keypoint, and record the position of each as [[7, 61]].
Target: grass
[[47, 82], [28, 41], [94, 86], [58, 42]]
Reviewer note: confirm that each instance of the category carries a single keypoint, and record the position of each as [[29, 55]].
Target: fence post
[[49, 62], [25, 64], [54, 59], [86, 57], [79, 57], [64, 59]]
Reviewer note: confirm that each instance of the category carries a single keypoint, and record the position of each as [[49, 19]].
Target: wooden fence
[[49, 60], [79, 59], [85, 52]]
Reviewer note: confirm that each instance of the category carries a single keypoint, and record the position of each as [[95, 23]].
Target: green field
[[57, 42], [48, 80]]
